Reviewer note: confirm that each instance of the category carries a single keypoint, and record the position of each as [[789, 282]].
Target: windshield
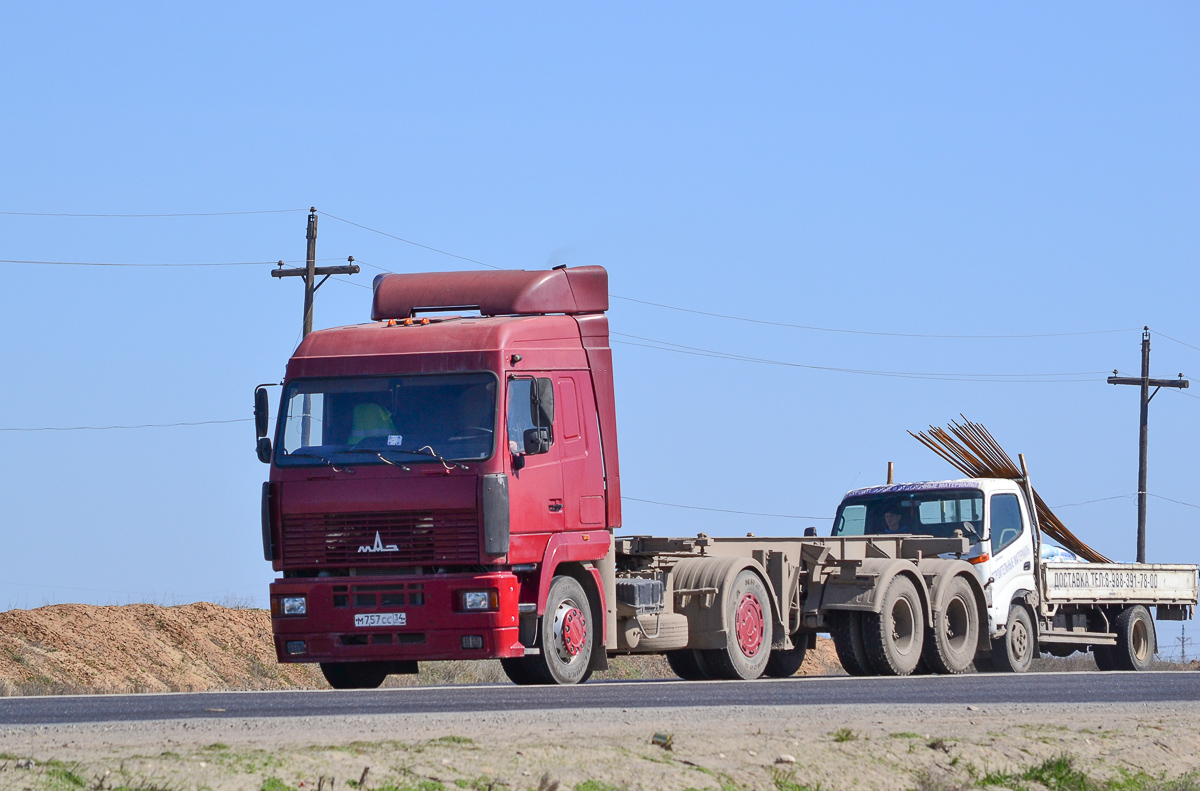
[[929, 513], [406, 419]]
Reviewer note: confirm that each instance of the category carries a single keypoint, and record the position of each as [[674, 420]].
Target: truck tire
[[1014, 652], [1136, 640], [845, 627], [748, 633], [517, 670], [567, 636], [951, 642], [895, 635], [686, 664], [355, 675], [1103, 654], [784, 664]]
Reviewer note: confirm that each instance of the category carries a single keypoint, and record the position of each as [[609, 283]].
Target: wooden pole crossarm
[[1137, 380]]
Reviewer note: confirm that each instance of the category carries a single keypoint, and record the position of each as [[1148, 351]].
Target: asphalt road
[[1032, 688]]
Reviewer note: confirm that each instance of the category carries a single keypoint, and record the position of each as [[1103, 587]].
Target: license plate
[[380, 619]]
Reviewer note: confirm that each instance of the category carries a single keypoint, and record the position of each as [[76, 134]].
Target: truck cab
[[434, 471]]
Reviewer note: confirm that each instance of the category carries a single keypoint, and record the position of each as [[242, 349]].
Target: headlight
[[479, 601], [295, 605]]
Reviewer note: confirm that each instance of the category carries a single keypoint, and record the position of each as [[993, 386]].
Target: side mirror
[[537, 440], [809, 532], [264, 450], [262, 413], [518, 461]]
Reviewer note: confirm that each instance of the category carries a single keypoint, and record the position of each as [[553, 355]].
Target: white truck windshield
[[927, 513], [404, 419]]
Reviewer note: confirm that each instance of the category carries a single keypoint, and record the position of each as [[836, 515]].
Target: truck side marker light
[[586, 537], [424, 321], [978, 560], [408, 322]]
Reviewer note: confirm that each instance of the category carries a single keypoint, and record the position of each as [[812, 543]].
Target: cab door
[[1010, 568], [534, 450]]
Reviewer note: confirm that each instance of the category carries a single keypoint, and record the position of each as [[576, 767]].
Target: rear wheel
[[1014, 652], [1103, 654], [355, 675], [686, 664], [1136, 641], [748, 638], [845, 627], [895, 636], [950, 645], [784, 664]]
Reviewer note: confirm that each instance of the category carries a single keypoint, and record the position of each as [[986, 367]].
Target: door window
[[530, 415], [1006, 521]]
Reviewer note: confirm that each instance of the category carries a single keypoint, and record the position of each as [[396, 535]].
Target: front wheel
[[355, 675], [1013, 653], [567, 637]]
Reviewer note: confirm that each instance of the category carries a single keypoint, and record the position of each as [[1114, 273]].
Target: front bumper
[[409, 618]]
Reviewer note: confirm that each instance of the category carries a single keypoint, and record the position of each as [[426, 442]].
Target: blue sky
[[937, 170]]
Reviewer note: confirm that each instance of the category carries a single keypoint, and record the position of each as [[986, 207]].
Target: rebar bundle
[[971, 449]]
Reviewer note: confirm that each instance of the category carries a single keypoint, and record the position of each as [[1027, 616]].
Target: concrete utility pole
[[1145, 383], [309, 272]]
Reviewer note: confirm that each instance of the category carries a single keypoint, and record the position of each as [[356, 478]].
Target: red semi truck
[[445, 485]]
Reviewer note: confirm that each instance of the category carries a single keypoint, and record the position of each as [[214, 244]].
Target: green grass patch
[[786, 781], [844, 735], [65, 777], [216, 747], [275, 784], [595, 785], [453, 740], [906, 735]]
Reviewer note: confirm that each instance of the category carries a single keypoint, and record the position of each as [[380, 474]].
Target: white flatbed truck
[[1029, 605]]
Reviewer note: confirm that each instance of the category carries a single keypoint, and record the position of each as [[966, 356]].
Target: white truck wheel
[[1136, 640], [1014, 652], [895, 636], [951, 642]]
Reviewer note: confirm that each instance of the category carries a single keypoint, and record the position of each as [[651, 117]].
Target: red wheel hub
[[574, 631], [749, 624]]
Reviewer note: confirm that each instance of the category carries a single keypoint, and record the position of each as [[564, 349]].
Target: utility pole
[[1183, 641], [309, 272], [1145, 383]]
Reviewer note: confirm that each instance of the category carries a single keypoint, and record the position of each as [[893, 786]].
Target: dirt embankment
[[79, 648]]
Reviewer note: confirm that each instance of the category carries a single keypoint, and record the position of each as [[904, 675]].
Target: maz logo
[[378, 546]]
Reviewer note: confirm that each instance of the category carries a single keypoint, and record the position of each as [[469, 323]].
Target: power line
[[1098, 500], [1169, 500], [864, 332], [144, 425], [177, 214], [408, 241], [666, 346], [106, 263], [1181, 343], [723, 510]]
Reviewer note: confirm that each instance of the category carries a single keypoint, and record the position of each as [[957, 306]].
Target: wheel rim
[[749, 624], [904, 632], [1140, 640], [570, 631], [1019, 641], [958, 621]]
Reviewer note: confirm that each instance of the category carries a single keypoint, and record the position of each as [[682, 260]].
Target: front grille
[[408, 538]]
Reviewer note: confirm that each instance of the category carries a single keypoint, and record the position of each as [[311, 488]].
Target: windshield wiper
[[381, 457], [432, 454], [330, 462]]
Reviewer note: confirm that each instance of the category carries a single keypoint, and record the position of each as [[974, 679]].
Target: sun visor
[[583, 289]]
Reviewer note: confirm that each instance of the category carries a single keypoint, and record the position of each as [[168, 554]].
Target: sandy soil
[[869, 747], [80, 648]]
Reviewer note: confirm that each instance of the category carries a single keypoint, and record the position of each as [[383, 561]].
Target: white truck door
[[1010, 568]]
